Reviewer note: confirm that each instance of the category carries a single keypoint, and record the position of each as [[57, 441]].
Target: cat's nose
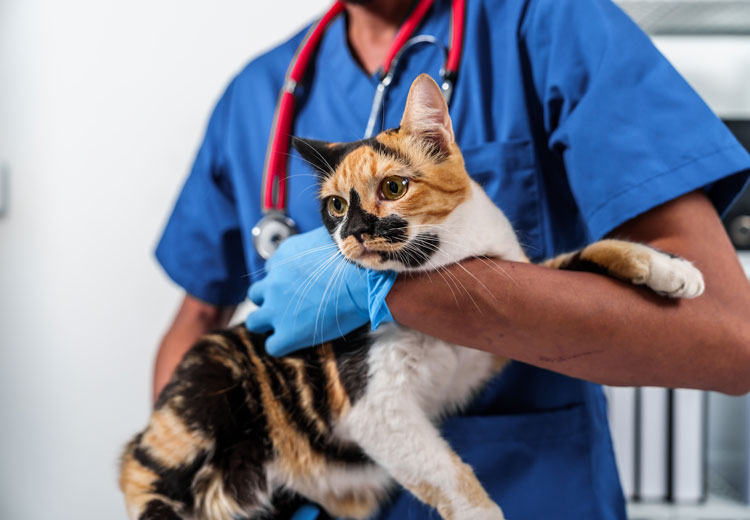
[[359, 236]]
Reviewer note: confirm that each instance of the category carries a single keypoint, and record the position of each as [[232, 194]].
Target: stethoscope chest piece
[[271, 231]]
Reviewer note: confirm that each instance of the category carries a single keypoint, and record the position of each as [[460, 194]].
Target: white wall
[[102, 105], [717, 67]]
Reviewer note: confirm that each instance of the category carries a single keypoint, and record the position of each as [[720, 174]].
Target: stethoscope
[[276, 226]]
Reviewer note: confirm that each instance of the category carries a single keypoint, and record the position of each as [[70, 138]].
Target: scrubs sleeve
[[201, 246], [632, 134]]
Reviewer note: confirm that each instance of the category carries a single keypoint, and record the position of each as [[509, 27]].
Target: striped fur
[[238, 434], [230, 413]]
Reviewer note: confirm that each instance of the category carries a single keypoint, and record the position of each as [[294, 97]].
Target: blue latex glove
[[312, 294], [306, 512]]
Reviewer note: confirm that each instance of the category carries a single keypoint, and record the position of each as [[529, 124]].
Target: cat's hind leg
[[393, 424], [639, 264], [402, 440]]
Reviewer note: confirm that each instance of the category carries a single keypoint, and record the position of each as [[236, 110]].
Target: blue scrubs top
[[571, 120]]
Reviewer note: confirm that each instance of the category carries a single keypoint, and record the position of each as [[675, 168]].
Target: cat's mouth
[[367, 248], [375, 253]]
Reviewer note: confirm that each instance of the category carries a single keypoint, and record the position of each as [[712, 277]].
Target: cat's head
[[385, 200]]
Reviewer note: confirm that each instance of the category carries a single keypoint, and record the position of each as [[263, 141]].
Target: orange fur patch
[[305, 393], [436, 188], [170, 441], [351, 505], [337, 396], [137, 484], [295, 456], [622, 259], [469, 486], [433, 496]]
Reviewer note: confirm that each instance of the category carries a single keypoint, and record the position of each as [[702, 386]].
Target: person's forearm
[[193, 319], [580, 324], [590, 326]]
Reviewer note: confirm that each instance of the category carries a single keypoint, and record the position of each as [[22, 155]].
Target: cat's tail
[[140, 484]]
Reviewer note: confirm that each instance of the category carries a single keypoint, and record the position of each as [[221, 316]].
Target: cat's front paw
[[674, 277], [491, 513]]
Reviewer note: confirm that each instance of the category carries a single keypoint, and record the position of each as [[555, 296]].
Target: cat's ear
[[426, 115], [323, 156]]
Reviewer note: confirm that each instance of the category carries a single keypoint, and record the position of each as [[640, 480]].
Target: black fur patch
[[576, 263], [158, 510], [207, 395], [392, 228], [173, 483], [332, 449], [386, 150], [416, 252], [325, 157], [316, 378], [351, 352], [321, 155], [358, 221]]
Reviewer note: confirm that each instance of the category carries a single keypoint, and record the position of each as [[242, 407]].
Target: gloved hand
[[306, 512], [312, 294]]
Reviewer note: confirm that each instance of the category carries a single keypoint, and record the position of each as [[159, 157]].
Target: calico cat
[[239, 434]]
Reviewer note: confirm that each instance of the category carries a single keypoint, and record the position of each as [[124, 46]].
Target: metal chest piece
[[271, 231]]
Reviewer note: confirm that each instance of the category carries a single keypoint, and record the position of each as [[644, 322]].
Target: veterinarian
[[578, 129]]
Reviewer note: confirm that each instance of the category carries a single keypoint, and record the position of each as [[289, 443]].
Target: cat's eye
[[393, 187], [337, 206]]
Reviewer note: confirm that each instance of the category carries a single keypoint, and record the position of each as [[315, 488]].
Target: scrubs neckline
[[335, 56]]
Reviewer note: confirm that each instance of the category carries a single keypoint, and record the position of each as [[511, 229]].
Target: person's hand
[[306, 512], [312, 294]]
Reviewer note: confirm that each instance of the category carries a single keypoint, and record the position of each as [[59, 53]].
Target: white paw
[[674, 277]]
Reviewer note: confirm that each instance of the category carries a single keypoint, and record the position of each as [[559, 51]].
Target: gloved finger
[[280, 345], [257, 292], [259, 321], [306, 512]]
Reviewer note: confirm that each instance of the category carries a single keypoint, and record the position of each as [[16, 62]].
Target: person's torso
[[537, 440]]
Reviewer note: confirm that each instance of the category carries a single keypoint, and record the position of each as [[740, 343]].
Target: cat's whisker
[[266, 268], [480, 282], [437, 269], [305, 190], [340, 282], [299, 293], [309, 282], [338, 293], [497, 268], [338, 285], [324, 300], [452, 275], [323, 304], [317, 273], [293, 175], [463, 287]]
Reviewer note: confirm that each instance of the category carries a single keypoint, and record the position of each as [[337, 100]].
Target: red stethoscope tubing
[[277, 153]]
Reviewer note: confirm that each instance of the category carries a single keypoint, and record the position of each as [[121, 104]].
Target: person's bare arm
[[193, 319], [596, 328]]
